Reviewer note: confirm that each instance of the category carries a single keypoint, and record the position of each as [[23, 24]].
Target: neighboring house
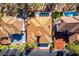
[[39, 30], [70, 7], [9, 25], [59, 7], [67, 28], [68, 23]]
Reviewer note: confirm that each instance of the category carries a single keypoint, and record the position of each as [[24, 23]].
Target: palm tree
[[56, 15]]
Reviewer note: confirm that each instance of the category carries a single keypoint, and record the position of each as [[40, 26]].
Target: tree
[[56, 15]]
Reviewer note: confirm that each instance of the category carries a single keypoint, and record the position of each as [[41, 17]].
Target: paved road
[[42, 53], [47, 53], [31, 53], [7, 52]]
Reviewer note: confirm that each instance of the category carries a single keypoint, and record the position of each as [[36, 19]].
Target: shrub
[[2, 47], [31, 44], [73, 48]]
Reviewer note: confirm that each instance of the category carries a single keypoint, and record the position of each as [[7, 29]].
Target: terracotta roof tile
[[69, 20], [9, 25]]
